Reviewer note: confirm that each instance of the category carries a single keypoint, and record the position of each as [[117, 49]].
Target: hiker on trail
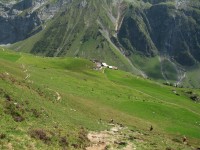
[[151, 128]]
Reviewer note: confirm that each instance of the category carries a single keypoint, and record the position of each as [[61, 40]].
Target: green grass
[[192, 77], [86, 96], [9, 55], [151, 66], [169, 70]]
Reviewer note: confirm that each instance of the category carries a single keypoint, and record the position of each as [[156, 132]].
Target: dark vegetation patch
[[63, 139], [82, 139], [193, 96], [120, 144], [2, 136], [11, 107], [63, 142], [168, 84], [19, 111], [41, 134]]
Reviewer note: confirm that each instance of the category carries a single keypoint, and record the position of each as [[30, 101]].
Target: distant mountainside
[[155, 38]]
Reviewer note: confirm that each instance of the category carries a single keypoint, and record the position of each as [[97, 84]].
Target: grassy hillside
[[191, 75], [53, 103]]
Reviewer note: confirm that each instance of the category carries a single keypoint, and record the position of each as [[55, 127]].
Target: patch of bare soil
[[112, 139]]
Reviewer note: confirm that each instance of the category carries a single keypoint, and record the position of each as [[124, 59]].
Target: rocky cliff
[[24, 18], [171, 29]]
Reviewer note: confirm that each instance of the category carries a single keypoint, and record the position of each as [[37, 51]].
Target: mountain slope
[[55, 102], [163, 34]]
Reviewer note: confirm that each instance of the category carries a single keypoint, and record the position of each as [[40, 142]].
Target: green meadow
[[52, 103]]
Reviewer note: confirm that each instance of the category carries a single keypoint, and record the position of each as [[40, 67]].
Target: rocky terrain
[[22, 19]]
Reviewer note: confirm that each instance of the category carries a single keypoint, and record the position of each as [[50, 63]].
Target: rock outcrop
[[20, 20]]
